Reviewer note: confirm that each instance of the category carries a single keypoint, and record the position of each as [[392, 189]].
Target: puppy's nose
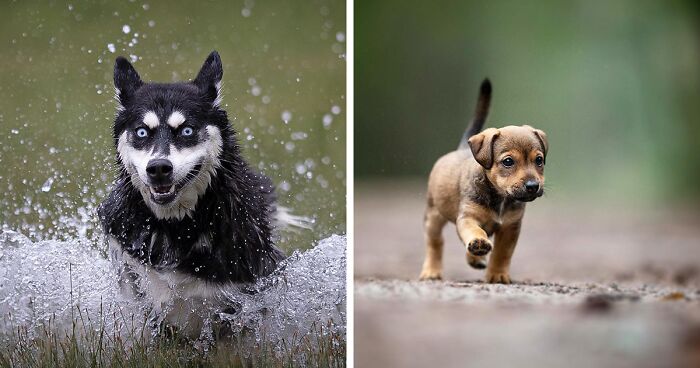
[[159, 169], [532, 186]]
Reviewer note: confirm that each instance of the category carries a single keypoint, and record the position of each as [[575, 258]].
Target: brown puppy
[[482, 188]]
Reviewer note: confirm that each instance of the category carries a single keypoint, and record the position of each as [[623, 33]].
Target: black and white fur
[[187, 214]]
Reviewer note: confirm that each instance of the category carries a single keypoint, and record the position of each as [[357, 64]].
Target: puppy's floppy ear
[[482, 146], [209, 78], [542, 137], [126, 81]]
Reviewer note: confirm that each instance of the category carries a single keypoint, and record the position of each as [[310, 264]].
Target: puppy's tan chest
[[505, 217]]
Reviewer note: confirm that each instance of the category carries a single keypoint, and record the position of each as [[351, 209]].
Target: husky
[[187, 215]]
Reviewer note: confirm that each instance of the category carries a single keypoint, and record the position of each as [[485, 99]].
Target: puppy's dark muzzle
[[530, 191], [532, 187]]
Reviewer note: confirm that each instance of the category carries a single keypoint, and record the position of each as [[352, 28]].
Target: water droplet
[[327, 120], [286, 116], [285, 186], [47, 185]]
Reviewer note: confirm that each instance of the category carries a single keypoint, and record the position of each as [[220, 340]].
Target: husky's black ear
[[209, 78], [126, 81]]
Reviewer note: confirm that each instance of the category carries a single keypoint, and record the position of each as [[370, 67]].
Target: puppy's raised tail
[[482, 110]]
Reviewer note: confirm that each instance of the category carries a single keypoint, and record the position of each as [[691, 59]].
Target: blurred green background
[[281, 59], [615, 84]]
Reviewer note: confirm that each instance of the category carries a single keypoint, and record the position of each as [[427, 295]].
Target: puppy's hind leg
[[434, 242]]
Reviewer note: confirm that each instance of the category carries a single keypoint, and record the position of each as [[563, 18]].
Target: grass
[[89, 343]]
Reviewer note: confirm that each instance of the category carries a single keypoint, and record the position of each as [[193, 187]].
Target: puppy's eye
[[142, 132], [187, 131], [539, 161], [508, 162]]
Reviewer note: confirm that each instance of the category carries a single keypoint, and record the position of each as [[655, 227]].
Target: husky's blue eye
[[187, 131], [142, 132]]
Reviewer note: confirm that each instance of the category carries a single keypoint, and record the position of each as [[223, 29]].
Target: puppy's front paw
[[479, 247], [477, 262], [497, 278], [430, 274]]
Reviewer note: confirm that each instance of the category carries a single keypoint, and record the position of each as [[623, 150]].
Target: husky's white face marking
[[175, 119], [192, 169], [151, 120]]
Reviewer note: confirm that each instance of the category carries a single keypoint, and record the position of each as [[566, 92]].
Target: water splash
[[44, 280], [53, 280], [307, 291]]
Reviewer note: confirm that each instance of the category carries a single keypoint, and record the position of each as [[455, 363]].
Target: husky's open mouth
[[163, 194]]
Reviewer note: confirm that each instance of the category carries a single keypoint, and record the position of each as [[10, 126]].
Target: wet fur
[[470, 188], [225, 232]]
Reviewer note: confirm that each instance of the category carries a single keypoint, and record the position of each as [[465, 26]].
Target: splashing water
[[307, 291], [53, 280], [41, 280]]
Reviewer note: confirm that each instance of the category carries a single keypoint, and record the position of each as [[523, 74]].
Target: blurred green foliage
[[56, 105], [615, 84]]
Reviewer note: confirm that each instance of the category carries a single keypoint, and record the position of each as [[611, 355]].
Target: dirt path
[[594, 287]]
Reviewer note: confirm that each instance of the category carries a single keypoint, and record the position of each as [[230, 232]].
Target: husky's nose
[[159, 169]]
